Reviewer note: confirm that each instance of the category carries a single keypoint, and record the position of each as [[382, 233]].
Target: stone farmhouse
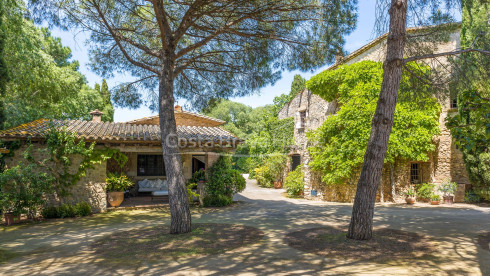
[[310, 111], [201, 140]]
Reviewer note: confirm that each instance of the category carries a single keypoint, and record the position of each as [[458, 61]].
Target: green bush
[[223, 181], [217, 201], [118, 182], [448, 188], [425, 190], [83, 209], [471, 197], [50, 212], [271, 170], [294, 183], [67, 211]]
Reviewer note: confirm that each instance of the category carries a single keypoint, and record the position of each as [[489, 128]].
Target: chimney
[[339, 57], [178, 108], [96, 116]]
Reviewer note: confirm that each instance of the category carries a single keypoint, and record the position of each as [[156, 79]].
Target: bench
[[158, 194]]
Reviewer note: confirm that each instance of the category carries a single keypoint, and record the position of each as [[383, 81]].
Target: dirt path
[[62, 247]]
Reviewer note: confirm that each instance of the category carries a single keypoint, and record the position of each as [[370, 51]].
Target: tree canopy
[[340, 143], [219, 48], [471, 84], [42, 79]]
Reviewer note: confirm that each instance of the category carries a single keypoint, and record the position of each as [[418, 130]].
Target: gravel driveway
[[62, 247]]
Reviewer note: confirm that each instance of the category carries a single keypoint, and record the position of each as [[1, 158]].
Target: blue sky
[[76, 41]]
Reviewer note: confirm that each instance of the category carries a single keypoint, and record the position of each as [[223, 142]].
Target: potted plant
[[410, 196], [116, 185], [435, 199], [448, 189], [11, 212]]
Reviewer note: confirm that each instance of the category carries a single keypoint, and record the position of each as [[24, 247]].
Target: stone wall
[[90, 189], [445, 163]]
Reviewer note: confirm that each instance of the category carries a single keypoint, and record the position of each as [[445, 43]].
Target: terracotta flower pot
[[410, 199], [277, 185], [115, 198], [434, 202], [448, 199], [11, 218]]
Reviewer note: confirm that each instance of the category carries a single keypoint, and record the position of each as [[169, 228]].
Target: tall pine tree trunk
[[361, 224], [180, 215]]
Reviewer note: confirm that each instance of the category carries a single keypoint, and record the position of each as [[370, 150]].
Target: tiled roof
[[118, 132], [146, 120]]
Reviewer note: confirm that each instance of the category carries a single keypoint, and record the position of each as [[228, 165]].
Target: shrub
[[448, 188], [83, 209], [222, 182], [118, 182], [67, 211], [435, 197], [471, 197], [217, 201], [50, 212], [425, 190], [271, 170], [294, 183], [410, 192]]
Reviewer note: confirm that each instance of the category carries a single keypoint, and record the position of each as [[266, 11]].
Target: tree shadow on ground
[[452, 231]]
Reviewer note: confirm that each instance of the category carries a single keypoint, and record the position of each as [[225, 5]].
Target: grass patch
[[386, 244], [6, 255], [156, 244]]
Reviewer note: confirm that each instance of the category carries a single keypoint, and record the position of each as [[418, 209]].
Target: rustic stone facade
[[310, 111], [90, 189], [200, 137]]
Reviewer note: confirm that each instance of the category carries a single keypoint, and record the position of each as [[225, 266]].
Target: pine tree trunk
[[361, 224], [180, 215]]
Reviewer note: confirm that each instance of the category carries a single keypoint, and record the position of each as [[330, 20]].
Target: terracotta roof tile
[[111, 132]]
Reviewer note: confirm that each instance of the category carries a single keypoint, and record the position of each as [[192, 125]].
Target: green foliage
[[298, 85], [40, 79], [22, 189], [24, 186], [410, 192], [425, 190], [118, 182], [295, 183], [81, 209], [435, 197], [67, 211], [271, 170], [448, 188], [244, 48], [339, 145], [471, 83], [263, 131], [471, 197], [223, 182], [217, 201]]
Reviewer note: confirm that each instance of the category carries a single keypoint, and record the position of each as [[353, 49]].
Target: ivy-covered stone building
[[310, 111]]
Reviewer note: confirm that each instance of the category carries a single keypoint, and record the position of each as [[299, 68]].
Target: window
[[151, 165], [415, 173], [302, 119], [295, 161], [454, 103]]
